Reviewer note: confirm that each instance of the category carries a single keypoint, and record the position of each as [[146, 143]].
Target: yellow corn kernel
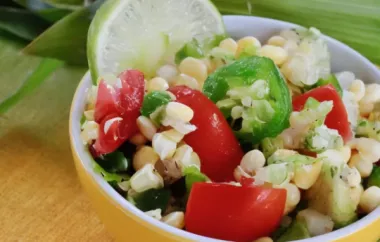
[[194, 68], [346, 153], [293, 197], [145, 155], [239, 173], [229, 44], [175, 219], [264, 239], [89, 114], [358, 88], [157, 84], [146, 127], [90, 131], [154, 213], [179, 111], [185, 80], [368, 148], [252, 160], [306, 175], [138, 139], [277, 54], [173, 135], [362, 165], [370, 199], [277, 41], [247, 42], [209, 64]]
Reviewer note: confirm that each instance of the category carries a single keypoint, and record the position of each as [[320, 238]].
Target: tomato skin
[[234, 213], [213, 140], [122, 100], [337, 118]]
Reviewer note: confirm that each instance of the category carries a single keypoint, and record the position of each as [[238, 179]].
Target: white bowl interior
[[343, 58]]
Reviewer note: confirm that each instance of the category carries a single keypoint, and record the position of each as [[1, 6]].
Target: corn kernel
[[355, 194], [185, 80], [89, 114], [175, 219], [317, 223], [146, 127], [239, 173], [124, 185], [145, 179], [306, 175], [368, 148], [167, 72], [277, 41], [185, 157], [157, 84], [145, 155], [194, 68], [370, 199], [264, 239], [163, 146], [293, 197], [247, 42], [229, 44], [154, 213], [90, 132], [362, 165], [138, 139], [252, 160], [346, 153], [173, 135], [92, 94], [209, 64], [179, 111], [277, 54], [358, 88], [172, 96]]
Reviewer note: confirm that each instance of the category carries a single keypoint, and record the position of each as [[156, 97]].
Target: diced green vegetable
[[113, 162], [226, 106], [369, 129], [276, 174], [82, 120], [154, 100], [329, 80], [331, 195], [296, 231], [109, 177], [322, 138], [196, 49], [152, 199], [256, 84], [296, 159], [374, 178], [193, 175], [270, 145]]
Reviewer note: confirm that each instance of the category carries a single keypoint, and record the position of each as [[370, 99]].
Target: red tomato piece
[[107, 101], [337, 118], [234, 213], [213, 140], [122, 101]]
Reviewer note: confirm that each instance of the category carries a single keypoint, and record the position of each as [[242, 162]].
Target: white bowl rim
[[86, 159]]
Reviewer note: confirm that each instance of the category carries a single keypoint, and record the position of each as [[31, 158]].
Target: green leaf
[[45, 11], [38, 76], [21, 23], [355, 22], [66, 40]]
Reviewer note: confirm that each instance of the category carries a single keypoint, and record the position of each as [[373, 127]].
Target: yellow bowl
[[127, 223]]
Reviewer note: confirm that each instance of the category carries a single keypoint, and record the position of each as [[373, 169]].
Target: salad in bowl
[[229, 138]]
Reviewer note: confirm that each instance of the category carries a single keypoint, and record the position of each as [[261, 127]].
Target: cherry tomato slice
[[234, 213], [337, 118], [213, 140], [123, 102]]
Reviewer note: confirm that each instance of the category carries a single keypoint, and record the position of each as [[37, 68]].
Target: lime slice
[[143, 34]]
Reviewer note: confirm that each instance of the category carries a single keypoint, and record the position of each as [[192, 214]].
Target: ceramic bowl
[[127, 223]]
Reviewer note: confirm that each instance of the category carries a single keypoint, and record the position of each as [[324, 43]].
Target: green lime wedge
[[144, 34]]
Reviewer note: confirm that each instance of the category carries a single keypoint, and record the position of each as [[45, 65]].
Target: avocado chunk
[[331, 195]]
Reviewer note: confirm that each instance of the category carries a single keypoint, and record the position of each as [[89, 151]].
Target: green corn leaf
[[44, 10], [66, 40], [354, 22], [40, 74], [21, 23]]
